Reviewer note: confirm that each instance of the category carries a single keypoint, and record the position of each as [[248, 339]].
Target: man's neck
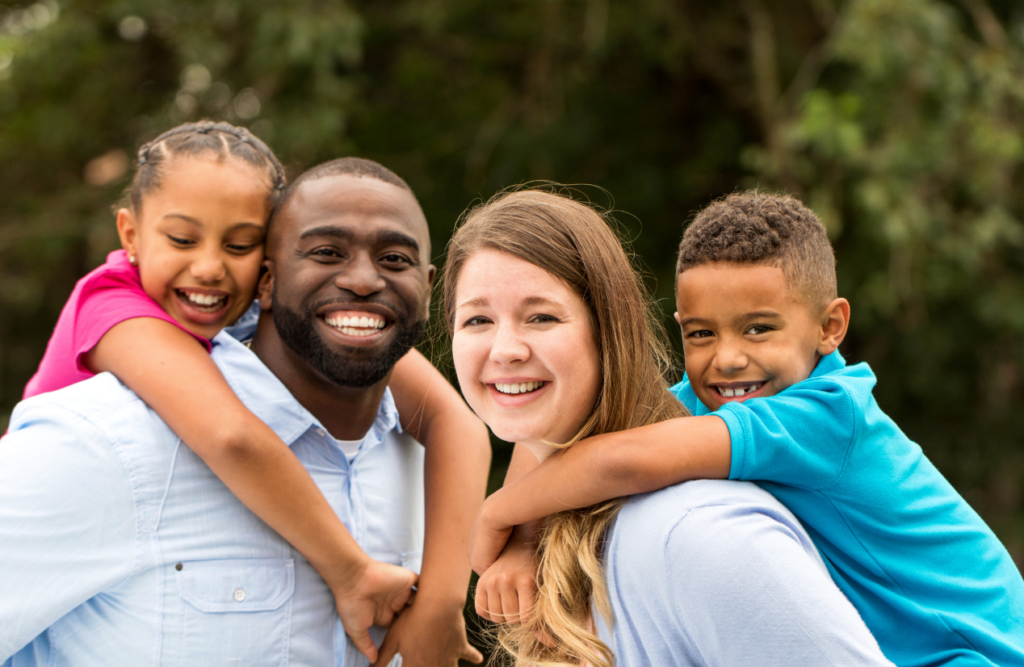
[[346, 412]]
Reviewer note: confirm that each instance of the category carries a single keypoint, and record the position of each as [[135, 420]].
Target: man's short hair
[[761, 228], [344, 166]]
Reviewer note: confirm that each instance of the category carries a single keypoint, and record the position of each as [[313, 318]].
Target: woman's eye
[[543, 319], [476, 321]]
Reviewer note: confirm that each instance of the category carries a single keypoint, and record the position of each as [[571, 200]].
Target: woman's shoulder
[[706, 515]]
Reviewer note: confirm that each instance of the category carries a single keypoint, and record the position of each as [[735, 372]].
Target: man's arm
[[67, 521], [458, 455], [607, 466]]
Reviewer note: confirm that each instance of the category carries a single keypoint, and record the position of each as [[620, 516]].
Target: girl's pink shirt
[[107, 296]]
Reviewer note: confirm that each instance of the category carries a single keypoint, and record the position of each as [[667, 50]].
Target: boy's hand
[[486, 539], [372, 595], [507, 591], [429, 634]]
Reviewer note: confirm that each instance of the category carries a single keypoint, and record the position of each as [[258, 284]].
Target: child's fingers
[[509, 601], [482, 610], [388, 650], [527, 593], [364, 643], [471, 654]]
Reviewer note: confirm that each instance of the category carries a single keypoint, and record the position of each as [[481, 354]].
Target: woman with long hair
[[554, 341]]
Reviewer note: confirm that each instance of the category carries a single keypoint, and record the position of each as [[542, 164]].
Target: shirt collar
[[266, 396], [830, 363]]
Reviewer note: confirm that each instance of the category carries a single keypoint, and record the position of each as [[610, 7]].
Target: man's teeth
[[738, 391], [204, 300], [518, 387], [356, 326]]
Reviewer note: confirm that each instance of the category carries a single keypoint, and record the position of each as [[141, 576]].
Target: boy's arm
[[600, 468], [458, 455], [178, 379]]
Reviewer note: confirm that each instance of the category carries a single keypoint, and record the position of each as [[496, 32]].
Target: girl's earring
[[131, 260]]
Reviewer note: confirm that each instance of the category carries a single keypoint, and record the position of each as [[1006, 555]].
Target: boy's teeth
[[356, 325], [739, 391], [518, 387]]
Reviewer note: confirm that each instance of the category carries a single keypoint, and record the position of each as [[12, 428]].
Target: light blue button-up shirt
[[713, 573], [119, 546]]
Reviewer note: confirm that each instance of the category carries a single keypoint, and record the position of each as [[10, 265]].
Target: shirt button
[[178, 567], [320, 432], [239, 595]]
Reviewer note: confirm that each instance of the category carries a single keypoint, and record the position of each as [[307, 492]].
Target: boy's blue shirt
[[928, 576]]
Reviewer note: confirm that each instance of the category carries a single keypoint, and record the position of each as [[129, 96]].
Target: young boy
[[774, 401]]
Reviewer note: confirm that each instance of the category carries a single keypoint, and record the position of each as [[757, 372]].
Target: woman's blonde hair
[[573, 242]]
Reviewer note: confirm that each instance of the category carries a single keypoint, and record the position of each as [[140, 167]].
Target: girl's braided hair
[[220, 139]]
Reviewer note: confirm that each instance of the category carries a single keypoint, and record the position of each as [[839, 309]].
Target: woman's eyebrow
[[475, 302]]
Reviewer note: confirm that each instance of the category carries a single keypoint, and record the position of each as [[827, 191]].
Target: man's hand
[[507, 591], [429, 634], [372, 595], [487, 538]]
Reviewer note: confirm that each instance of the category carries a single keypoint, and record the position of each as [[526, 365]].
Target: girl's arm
[[168, 370], [607, 466], [458, 456]]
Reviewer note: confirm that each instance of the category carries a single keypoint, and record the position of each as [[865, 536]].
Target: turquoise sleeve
[[800, 437]]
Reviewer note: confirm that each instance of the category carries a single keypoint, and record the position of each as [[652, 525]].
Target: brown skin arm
[[168, 369], [607, 466], [458, 455]]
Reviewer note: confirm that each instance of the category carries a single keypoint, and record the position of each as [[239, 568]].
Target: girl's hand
[[372, 595], [507, 591], [430, 633], [486, 539]]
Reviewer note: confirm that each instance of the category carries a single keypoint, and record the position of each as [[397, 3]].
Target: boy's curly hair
[[761, 228]]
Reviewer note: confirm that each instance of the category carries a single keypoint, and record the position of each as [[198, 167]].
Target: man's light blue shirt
[[121, 547]]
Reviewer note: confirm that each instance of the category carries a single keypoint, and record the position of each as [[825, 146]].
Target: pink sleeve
[[109, 299], [107, 296]]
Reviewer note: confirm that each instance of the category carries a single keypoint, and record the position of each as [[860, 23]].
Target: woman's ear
[[835, 321], [128, 231]]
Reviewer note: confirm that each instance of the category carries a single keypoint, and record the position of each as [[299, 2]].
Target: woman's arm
[[176, 377], [458, 456], [607, 466]]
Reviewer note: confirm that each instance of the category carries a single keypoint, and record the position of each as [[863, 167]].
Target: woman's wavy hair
[[573, 242]]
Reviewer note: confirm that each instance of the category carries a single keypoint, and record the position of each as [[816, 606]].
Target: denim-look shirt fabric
[[119, 546], [720, 574]]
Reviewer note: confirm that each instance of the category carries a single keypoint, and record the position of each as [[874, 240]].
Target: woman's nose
[[209, 268], [361, 276], [508, 347]]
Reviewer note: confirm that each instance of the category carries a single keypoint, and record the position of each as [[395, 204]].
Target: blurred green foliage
[[898, 121]]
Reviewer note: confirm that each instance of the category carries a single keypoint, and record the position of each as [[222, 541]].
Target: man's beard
[[300, 335]]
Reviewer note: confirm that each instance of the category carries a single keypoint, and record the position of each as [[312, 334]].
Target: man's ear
[[835, 321], [265, 289], [676, 315], [128, 231], [431, 274]]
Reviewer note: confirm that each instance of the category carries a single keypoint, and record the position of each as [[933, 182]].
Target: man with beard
[[120, 547]]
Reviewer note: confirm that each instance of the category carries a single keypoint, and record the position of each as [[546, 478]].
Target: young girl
[[193, 232]]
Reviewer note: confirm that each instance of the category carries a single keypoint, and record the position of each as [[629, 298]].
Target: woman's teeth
[[207, 302], [518, 388], [739, 391], [356, 326]]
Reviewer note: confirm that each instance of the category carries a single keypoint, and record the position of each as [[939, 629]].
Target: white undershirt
[[350, 447]]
